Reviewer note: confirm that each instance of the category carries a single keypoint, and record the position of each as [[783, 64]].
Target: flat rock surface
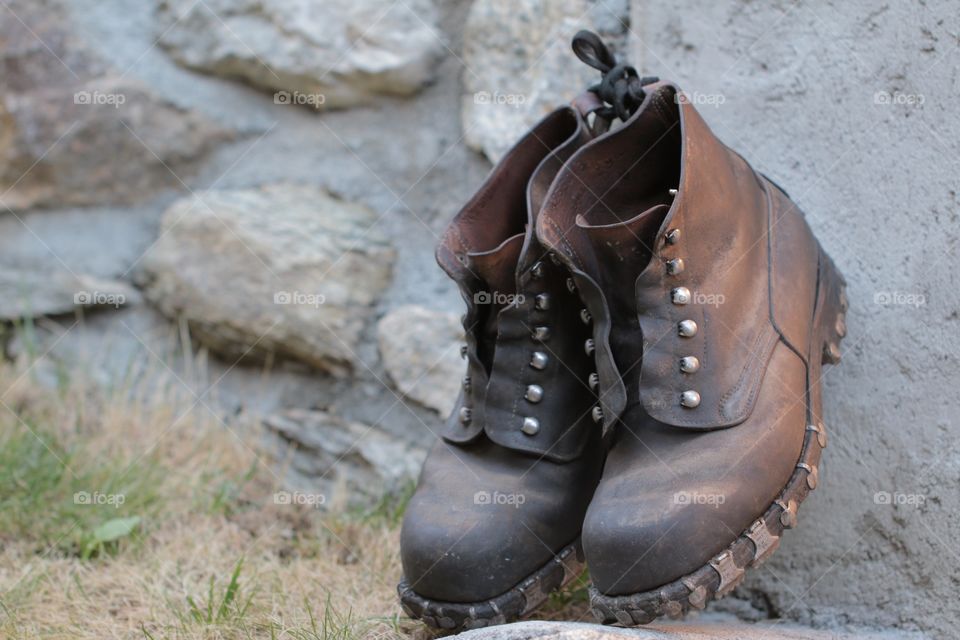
[[347, 461], [76, 130], [694, 630], [421, 353], [310, 52], [254, 284], [31, 293]]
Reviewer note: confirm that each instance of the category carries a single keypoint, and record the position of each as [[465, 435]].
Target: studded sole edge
[[507, 607], [725, 571]]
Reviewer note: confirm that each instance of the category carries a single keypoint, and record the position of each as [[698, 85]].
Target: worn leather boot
[[494, 524], [719, 308]]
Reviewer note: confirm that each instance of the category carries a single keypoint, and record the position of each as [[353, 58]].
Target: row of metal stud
[[680, 296]]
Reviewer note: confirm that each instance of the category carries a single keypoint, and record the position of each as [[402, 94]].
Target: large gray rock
[[283, 270], [74, 131], [519, 65], [346, 462], [32, 293], [420, 349], [326, 55]]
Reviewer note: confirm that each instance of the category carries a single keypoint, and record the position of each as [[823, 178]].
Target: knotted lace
[[620, 87]]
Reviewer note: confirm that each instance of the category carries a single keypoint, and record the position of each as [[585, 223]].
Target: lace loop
[[620, 86]]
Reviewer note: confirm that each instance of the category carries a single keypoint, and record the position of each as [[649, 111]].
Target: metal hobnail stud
[[585, 316], [539, 360], [689, 364], [593, 380], [589, 346], [831, 353], [597, 414], [534, 393], [542, 302], [675, 266], [466, 414], [690, 399], [463, 351], [571, 285], [530, 426], [841, 326], [687, 328], [541, 333], [537, 270], [821, 433], [680, 295], [673, 236], [466, 383], [672, 192]]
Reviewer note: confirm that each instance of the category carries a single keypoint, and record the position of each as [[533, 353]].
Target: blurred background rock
[[243, 198]]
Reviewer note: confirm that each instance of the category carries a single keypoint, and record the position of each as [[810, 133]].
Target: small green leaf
[[115, 529]]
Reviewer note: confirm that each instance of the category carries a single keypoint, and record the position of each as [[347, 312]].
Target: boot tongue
[[497, 270], [625, 247]]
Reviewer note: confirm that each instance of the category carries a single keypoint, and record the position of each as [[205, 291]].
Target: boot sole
[[509, 606], [726, 570]]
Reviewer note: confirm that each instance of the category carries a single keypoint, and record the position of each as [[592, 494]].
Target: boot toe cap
[[650, 542], [467, 557]]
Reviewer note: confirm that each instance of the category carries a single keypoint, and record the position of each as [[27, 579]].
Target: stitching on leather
[[748, 373], [771, 204]]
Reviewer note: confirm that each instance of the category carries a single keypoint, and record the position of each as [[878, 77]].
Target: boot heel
[[832, 312]]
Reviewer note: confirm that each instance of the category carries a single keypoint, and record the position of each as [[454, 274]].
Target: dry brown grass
[[204, 496]]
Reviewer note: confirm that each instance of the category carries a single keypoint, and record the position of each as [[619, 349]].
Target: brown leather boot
[[494, 524], [720, 309]]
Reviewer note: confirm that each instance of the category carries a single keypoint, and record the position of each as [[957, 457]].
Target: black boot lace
[[620, 87]]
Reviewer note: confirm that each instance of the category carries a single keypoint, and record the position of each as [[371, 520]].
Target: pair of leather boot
[[647, 318]]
